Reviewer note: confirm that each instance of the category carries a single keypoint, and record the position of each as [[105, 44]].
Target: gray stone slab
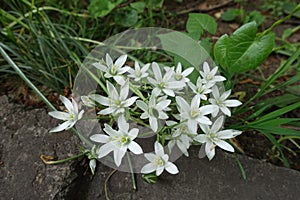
[[24, 136]]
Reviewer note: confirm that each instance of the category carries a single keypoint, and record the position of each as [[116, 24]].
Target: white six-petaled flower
[[158, 162], [209, 76], [200, 88], [113, 70], [118, 141], [116, 102], [181, 136], [155, 110], [70, 117], [213, 137], [194, 113], [138, 73], [221, 102], [164, 83], [180, 75]]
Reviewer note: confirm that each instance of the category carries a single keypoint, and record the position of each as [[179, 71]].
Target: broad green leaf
[[197, 23], [185, 47], [254, 16], [230, 15], [244, 50], [100, 8], [126, 17], [138, 6]]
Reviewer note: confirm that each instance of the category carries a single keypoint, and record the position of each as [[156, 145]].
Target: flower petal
[[105, 149], [148, 168], [101, 138], [61, 127], [182, 104], [225, 110], [171, 168], [67, 103], [150, 156], [107, 111], [135, 148], [100, 99], [108, 60], [201, 138], [153, 123], [124, 90], [156, 71], [209, 150], [130, 101], [188, 71], [232, 103], [133, 133], [119, 154], [121, 60], [217, 124], [59, 115], [224, 145], [159, 170], [142, 105], [158, 148]]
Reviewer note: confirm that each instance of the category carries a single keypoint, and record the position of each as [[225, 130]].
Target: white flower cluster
[[166, 100]]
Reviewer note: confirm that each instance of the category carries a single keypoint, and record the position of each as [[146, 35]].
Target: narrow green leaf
[[277, 113], [277, 145]]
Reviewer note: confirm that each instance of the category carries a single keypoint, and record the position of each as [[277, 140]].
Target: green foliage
[[244, 50], [198, 23], [150, 178], [241, 15], [231, 14], [126, 17], [101, 8]]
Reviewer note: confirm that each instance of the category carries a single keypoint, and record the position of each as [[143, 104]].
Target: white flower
[[200, 88], [164, 83], [158, 162], [181, 137], [137, 73], [210, 77], [221, 102], [114, 70], [194, 114], [154, 110], [118, 141], [213, 137], [180, 75], [116, 102], [70, 117]]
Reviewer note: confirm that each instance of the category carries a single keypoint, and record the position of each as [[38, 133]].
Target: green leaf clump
[[244, 50]]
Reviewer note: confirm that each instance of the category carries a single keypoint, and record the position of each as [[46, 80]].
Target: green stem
[[280, 21], [131, 171], [63, 160]]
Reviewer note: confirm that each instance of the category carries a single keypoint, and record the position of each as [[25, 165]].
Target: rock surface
[[24, 136]]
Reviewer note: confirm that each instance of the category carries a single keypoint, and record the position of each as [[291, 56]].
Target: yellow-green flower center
[[125, 140], [178, 77], [159, 162], [114, 69]]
